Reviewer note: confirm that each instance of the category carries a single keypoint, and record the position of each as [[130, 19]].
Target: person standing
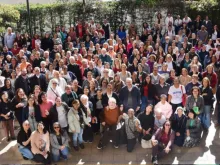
[[9, 38]]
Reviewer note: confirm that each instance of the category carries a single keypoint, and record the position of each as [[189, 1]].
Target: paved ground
[[207, 153]]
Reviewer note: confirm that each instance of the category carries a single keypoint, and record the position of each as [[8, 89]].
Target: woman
[[18, 103], [165, 72], [8, 88], [147, 92], [116, 65], [171, 78], [98, 107], [193, 130], [206, 92], [58, 113], [7, 117], [24, 141], [87, 108], [146, 119], [45, 106], [40, 144], [176, 94], [54, 90], [117, 83], [171, 64], [77, 121], [37, 91], [124, 73], [59, 143], [184, 77], [162, 141], [50, 72], [13, 78], [32, 113], [185, 63], [195, 101], [179, 126]]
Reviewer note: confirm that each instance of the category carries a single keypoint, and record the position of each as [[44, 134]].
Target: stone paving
[[208, 152]]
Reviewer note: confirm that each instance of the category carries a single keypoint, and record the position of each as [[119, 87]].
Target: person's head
[[155, 69], [123, 67], [176, 81], [131, 113], [20, 93], [129, 82], [167, 126], [41, 127], [9, 30], [26, 125], [180, 111], [148, 79], [192, 114], [42, 98], [7, 83], [195, 91], [57, 128], [109, 88], [24, 72], [112, 103], [76, 104], [205, 82], [84, 99], [31, 100], [149, 109], [162, 79], [54, 82], [163, 97], [86, 90], [184, 72], [194, 78], [209, 69], [4, 96], [158, 113], [58, 101], [68, 89], [37, 70]]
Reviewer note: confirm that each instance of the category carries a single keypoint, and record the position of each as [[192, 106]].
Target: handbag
[[146, 143], [183, 97]]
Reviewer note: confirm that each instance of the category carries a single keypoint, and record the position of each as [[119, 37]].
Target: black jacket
[[20, 82], [152, 92], [47, 43], [53, 116], [147, 121], [179, 124], [42, 82], [37, 112], [4, 109], [23, 137], [105, 99], [209, 98], [75, 69]]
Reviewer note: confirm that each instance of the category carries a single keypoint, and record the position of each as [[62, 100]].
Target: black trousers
[[131, 144], [88, 134], [105, 135], [41, 159]]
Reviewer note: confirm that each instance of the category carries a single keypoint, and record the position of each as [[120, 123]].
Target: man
[[107, 29], [208, 25], [202, 34], [132, 125], [191, 84], [9, 38], [75, 69], [109, 119], [91, 68], [162, 88], [145, 66], [38, 49], [38, 79], [69, 96], [23, 82], [24, 141], [130, 96], [166, 44], [37, 59], [202, 54], [193, 53], [155, 76]]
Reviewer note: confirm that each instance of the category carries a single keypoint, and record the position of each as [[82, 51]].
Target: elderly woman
[[87, 108], [165, 106], [77, 121], [179, 126], [54, 90], [159, 119], [193, 130], [162, 141], [117, 83], [59, 143]]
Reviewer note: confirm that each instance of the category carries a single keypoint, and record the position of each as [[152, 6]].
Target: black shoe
[[76, 148], [9, 139], [81, 146], [25, 158], [154, 160], [13, 138], [99, 147]]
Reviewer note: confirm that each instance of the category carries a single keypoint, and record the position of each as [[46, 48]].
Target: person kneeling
[[23, 139], [162, 141], [59, 143], [132, 129]]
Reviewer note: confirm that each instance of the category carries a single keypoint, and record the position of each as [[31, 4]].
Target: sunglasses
[[56, 127], [27, 124]]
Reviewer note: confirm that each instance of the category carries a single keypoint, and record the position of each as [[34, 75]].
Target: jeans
[[143, 103], [64, 153], [218, 111], [25, 152], [206, 119], [78, 136], [131, 144]]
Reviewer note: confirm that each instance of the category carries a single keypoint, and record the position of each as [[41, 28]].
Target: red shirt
[[145, 90], [164, 138]]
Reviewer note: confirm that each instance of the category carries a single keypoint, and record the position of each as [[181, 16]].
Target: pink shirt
[[166, 109], [45, 106]]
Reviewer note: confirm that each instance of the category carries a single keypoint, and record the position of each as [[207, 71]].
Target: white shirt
[[62, 119], [178, 22], [176, 94]]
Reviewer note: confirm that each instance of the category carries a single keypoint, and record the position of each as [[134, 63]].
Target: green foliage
[[203, 5], [8, 16]]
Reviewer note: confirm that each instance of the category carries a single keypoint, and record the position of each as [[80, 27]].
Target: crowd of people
[[156, 88]]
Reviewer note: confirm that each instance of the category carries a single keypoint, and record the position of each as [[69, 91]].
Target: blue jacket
[[105, 59]]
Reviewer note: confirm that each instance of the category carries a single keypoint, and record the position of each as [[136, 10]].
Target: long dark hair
[[16, 95], [145, 82], [39, 97], [44, 130], [163, 128], [7, 79]]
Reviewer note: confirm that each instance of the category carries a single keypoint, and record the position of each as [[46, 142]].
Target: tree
[[9, 16]]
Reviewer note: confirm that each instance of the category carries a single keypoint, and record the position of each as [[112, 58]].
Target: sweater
[[166, 109], [110, 116], [40, 142]]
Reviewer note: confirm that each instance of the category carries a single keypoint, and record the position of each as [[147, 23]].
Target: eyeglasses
[[55, 83], [27, 124], [167, 125], [56, 127]]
